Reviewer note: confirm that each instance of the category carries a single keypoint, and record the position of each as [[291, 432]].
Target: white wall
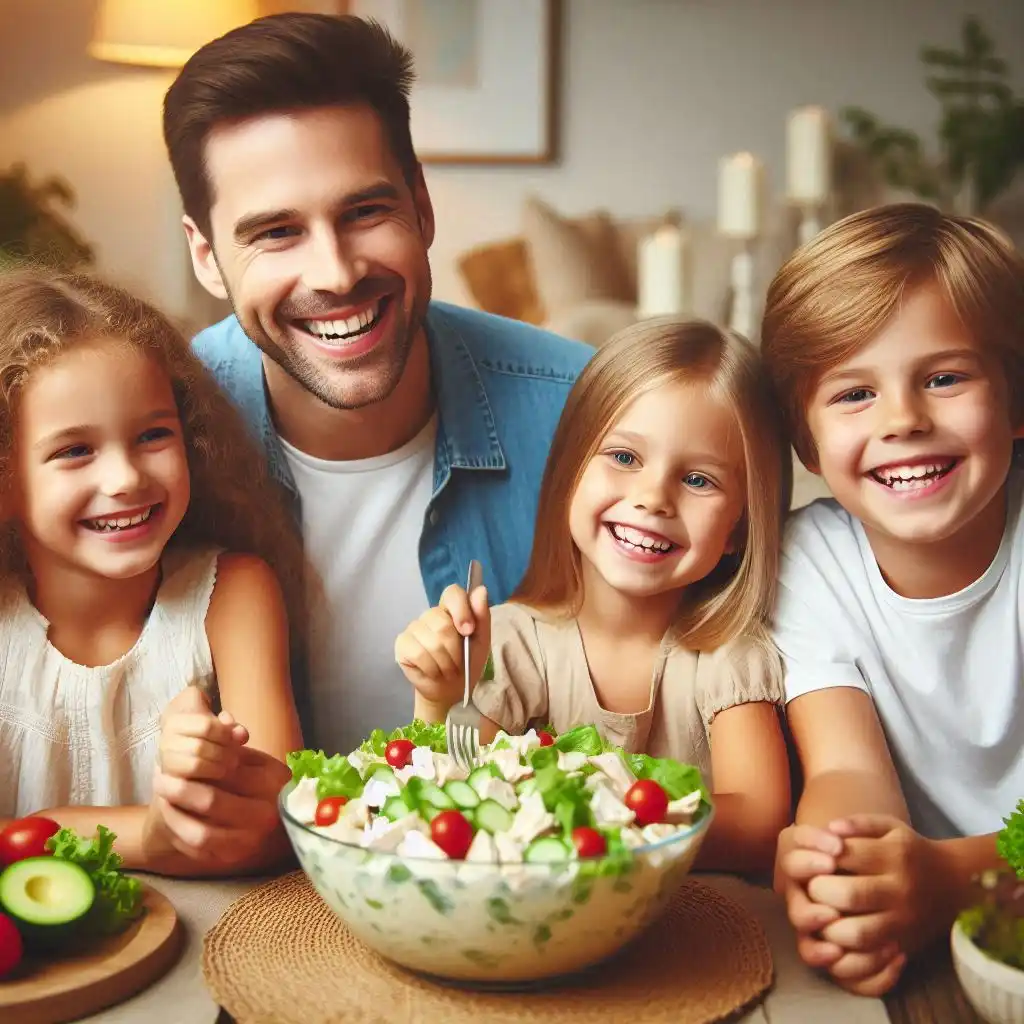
[[654, 91]]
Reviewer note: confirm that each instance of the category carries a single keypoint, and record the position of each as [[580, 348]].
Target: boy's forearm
[[962, 860], [838, 794]]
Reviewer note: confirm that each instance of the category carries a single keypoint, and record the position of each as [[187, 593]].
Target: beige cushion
[[572, 261], [593, 321]]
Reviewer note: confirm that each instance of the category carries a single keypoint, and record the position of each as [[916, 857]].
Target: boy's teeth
[[907, 477], [639, 539], [345, 327], [108, 523]]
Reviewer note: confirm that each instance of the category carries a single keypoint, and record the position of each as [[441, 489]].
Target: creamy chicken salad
[[536, 798]]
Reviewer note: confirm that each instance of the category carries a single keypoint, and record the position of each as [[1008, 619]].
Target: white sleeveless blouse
[[70, 734]]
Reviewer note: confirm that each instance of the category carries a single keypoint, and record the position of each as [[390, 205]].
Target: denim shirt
[[500, 386]]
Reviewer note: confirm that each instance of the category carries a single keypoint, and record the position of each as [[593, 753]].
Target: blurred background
[[590, 161]]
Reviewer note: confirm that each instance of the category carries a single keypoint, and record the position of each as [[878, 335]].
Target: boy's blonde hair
[[837, 292], [234, 503], [738, 596]]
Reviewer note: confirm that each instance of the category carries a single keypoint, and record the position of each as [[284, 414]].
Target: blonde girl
[[145, 563], [643, 609]]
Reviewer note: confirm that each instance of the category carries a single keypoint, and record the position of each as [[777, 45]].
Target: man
[[411, 434]]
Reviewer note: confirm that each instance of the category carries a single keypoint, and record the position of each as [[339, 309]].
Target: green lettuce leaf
[[421, 733], [675, 778], [582, 739], [334, 775], [1010, 840], [118, 897]]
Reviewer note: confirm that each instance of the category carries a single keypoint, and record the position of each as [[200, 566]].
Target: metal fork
[[462, 723]]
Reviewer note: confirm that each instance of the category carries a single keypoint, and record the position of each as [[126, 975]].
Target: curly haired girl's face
[[102, 479]]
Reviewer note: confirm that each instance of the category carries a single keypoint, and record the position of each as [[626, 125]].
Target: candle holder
[[810, 220], [741, 318]]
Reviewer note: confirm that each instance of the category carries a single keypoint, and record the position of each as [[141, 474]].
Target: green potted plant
[[980, 132], [988, 938], [32, 224]]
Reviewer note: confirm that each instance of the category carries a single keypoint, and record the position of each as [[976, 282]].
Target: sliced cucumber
[[382, 772], [429, 812], [546, 850], [438, 797], [490, 815], [464, 795], [394, 808], [478, 776]]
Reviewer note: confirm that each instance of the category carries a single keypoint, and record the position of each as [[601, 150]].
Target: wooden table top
[[929, 992]]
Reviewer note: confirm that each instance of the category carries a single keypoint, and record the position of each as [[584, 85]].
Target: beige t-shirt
[[541, 676]]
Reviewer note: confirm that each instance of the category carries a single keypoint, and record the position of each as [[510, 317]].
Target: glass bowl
[[492, 924]]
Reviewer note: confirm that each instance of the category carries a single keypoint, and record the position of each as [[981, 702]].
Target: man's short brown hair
[[284, 62], [840, 290]]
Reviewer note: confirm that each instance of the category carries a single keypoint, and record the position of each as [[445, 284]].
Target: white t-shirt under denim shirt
[[361, 523], [945, 673]]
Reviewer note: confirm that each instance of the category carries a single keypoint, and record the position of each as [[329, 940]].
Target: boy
[[896, 343]]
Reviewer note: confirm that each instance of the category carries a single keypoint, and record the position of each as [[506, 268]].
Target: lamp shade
[[163, 33]]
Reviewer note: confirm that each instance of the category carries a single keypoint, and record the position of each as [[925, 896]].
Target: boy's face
[[913, 432]]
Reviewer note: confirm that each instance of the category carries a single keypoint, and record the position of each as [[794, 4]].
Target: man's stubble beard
[[311, 379]]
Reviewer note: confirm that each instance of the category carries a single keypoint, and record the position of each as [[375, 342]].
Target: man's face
[[321, 246]]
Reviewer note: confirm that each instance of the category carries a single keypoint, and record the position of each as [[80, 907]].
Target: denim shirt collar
[[467, 437]]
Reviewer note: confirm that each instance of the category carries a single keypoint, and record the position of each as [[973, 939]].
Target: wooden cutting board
[[106, 972]]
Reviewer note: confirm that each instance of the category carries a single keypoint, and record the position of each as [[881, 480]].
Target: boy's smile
[[913, 433]]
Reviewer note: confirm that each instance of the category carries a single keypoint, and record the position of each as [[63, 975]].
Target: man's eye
[[275, 234], [369, 212]]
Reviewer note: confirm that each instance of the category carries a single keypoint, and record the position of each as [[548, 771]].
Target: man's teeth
[[335, 330], [637, 539], [904, 478], [106, 524]]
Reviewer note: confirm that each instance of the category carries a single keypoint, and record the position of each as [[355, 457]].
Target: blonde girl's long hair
[[234, 504], [737, 598]]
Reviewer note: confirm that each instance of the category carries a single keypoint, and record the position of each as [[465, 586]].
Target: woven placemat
[[280, 956]]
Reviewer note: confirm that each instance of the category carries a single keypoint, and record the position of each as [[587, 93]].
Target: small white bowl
[[995, 990]]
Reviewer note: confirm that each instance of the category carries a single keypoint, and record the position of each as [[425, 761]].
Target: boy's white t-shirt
[[361, 525], [945, 674]]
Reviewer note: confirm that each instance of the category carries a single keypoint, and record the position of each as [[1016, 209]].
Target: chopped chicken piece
[[448, 770], [531, 819], [681, 811], [659, 830], [498, 790], [385, 836], [343, 832], [377, 790], [482, 848], [571, 761], [608, 810], [415, 844], [508, 764], [364, 763], [302, 800], [615, 768], [509, 851]]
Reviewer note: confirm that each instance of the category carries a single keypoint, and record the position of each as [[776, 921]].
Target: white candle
[[663, 273], [740, 195], [808, 155]]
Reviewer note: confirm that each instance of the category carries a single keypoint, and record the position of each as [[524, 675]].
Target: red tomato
[[398, 753], [546, 739], [26, 837], [11, 948], [452, 833], [647, 800], [588, 842], [328, 809]]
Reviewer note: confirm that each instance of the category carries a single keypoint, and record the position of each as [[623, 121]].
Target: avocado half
[[46, 898]]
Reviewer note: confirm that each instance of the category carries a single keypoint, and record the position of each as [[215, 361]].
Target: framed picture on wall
[[486, 76]]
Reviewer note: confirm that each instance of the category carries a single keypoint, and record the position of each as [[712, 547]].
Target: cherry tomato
[[26, 837], [398, 753], [328, 809], [647, 800], [452, 833], [546, 739], [588, 842], [11, 948]]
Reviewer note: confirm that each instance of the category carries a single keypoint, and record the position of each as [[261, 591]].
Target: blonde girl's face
[[101, 479], [659, 503]]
